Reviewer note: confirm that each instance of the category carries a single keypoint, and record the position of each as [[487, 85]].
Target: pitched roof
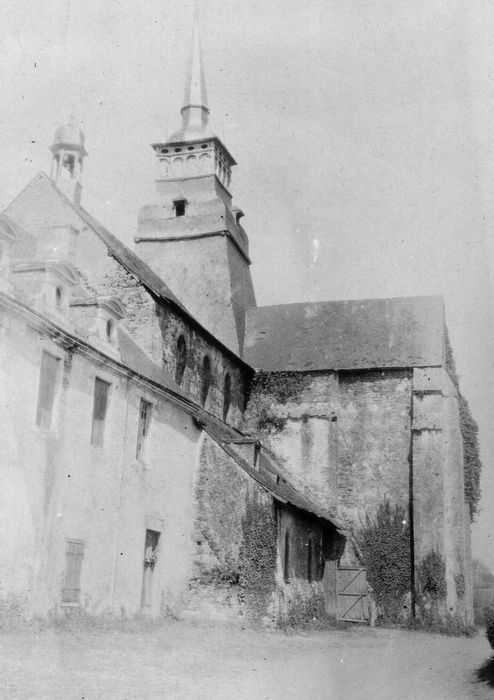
[[133, 357], [128, 259], [357, 334], [267, 474], [133, 264]]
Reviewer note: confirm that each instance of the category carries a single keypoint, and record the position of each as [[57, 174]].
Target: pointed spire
[[195, 112], [195, 86]]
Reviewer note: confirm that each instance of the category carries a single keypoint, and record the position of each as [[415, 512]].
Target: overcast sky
[[362, 128]]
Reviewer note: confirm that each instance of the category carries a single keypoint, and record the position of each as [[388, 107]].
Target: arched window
[[181, 360], [58, 296], [205, 379], [227, 395], [110, 329]]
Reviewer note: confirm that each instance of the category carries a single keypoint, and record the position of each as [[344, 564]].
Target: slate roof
[[339, 335], [134, 265], [135, 358], [128, 259], [268, 474]]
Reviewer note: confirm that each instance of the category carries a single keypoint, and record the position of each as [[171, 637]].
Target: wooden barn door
[[353, 603]]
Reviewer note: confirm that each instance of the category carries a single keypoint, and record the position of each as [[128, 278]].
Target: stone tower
[[191, 233], [68, 155]]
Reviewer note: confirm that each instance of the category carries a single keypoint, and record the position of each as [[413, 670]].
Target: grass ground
[[197, 662]]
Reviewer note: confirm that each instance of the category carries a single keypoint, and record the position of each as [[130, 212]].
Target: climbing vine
[[257, 557], [269, 389], [384, 543], [489, 626], [305, 611], [282, 386], [431, 578], [470, 435], [460, 585]]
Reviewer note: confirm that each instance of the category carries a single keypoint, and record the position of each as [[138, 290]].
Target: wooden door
[[353, 602]]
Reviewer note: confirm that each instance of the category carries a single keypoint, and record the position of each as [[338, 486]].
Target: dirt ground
[[197, 662]]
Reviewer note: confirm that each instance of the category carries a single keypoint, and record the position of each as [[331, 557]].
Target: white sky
[[363, 124]]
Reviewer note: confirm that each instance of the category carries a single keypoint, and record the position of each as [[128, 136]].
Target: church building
[[170, 447]]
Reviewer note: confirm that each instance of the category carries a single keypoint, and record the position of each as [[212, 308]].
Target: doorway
[[150, 558]]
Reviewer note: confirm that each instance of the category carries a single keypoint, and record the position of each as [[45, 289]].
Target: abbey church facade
[[170, 446]]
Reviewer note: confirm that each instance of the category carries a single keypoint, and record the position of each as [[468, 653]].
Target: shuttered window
[[143, 427], [73, 564], [101, 390], [47, 387]]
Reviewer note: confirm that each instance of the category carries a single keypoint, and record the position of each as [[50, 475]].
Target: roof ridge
[[132, 263], [253, 309]]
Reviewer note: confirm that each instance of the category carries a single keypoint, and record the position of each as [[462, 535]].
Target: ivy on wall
[[252, 573], [431, 578], [470, 435], [269, 389], [257, 557], [460, 585], [385, 549]]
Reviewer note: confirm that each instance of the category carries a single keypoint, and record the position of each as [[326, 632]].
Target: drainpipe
[[120, 497]]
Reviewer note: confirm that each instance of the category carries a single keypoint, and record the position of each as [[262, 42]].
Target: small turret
[[68, 157]]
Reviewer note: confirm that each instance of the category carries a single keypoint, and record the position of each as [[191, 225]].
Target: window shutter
[[143, 427], [47, 388], [99, 411], [73, 565]]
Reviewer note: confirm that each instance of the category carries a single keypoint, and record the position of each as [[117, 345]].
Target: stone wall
[[240, 550], [294, 413], [441, 515], [374, 433], [344, 438], [156, 328], [55, 226], [355, 439]]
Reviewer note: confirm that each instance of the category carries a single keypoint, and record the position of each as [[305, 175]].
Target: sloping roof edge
[[279, 488], [134, 265]]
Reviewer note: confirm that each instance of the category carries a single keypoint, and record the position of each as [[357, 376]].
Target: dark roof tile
[[135, 358], [268, 475], [357, 334]]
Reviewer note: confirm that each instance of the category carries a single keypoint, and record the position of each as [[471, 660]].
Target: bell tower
[[68, 155], [191, 233]]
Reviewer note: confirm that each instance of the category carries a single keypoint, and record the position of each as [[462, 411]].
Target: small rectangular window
[[101, 390], [143, 427], [47, 388], [74, 554], [179, 205]]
